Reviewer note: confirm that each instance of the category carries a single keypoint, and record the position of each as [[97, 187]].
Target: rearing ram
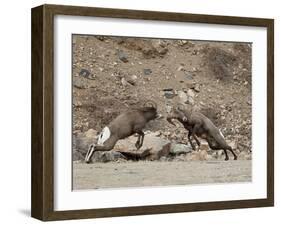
[[126, 124], [198, 125]]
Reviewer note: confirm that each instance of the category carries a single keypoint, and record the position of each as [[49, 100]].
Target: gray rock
[[153, 147], [122, 56], [197, 88], [77, 103], [178, 149], [107, 156], [190, 93], [190, 101], [147, 71], [76, 155], [188, 75], [125, 82], [80, 84], [160, 47], [183, 97], [169, 93], [84, 72], [82, 142]]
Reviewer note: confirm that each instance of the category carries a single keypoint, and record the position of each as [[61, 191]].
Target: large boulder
[[107, 156], [81, 143], [153, 147], [178, 149]]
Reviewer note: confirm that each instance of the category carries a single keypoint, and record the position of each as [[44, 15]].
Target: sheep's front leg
[[190, 141], [140, 139], [194, 130]]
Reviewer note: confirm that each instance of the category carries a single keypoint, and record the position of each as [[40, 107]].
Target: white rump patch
[[104, 135], [221, 133]]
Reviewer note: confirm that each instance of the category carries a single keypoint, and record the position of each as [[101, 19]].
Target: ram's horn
[[150, 103], [181, 107]]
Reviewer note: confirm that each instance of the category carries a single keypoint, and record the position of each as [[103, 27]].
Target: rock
[[122, 56], [153, 147], [86, 74], [80, 84], [190, 93], [197, 88], [178, 149], [157, 48], [218, 154], [77, 103], [169, 93], [82, 141], [132, 82], [134, 77], [107, 156], [91, 133], [160, 47], [190, 101], [147, 71], [182, 42], [135, 155], [233, 144], [183, 97], [201, 155], [244, 156], [180, 68], [188, 75], [101, 38], [157, 133], [168, 108], [76, 155], [124, 82], [204, 145]]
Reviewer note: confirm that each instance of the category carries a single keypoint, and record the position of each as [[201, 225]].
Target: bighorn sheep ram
[[125, 125], [199, 125]]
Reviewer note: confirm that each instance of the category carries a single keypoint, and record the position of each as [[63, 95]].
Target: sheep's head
[[177, 113], [150, 111]]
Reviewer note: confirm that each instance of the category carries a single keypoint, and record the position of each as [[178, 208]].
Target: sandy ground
[[145, 173]]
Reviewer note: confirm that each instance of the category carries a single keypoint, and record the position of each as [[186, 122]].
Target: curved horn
[[180, 107], [150, 103]]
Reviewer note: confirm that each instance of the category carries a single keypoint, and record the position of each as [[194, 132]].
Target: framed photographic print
[[141, 112]]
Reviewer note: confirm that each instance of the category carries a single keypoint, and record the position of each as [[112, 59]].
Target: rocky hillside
[[112, 74]]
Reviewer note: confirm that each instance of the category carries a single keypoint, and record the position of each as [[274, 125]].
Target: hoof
[[235, 158], [226, 159], [137, 145], [87, 162]]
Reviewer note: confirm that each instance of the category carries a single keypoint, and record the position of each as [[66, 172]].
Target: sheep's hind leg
[[89, 154], [226, 155], [215, 146], [140, 139], [108, 145], [197, 141], [234, 155]]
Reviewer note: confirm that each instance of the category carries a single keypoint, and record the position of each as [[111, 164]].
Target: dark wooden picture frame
[[42, 203]]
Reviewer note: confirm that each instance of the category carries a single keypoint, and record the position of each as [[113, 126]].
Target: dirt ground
[[146, 173]]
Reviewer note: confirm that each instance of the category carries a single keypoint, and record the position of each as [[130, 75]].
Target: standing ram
[[126, 124], [198, 125]]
